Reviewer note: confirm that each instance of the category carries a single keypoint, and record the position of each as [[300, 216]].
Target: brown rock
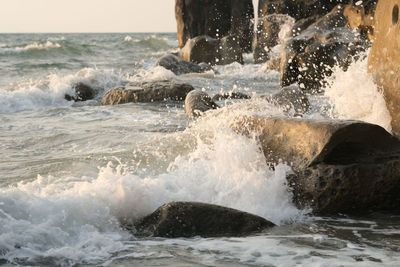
[[147, 92], [198, 102], [179, 66], [200, 49], [384, 58], [190, 219]]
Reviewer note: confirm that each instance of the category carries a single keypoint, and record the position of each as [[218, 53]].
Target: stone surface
[[303, 143], [200, 49], [216, 19], [82, 91], [308, 58], [179, 66], [198, 102], [229, 51], [190, 219], [147, 92], [384, 58]]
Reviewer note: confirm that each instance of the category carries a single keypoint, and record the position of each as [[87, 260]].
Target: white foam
[[50, 91], [353, 95]]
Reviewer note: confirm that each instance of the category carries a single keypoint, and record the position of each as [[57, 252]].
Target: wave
[[152, 42], [50, 91]]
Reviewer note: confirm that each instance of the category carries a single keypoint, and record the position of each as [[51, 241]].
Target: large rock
[[212, 51], [291, 98], [338, 166], [179, 66], [197, 102], [190, 219], [216, 19], [384, 58], [82, 92], [309, 57], [147, 92]]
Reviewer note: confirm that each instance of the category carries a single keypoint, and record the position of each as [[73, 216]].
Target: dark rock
[[200, 49], [298, 9], [384, 58], [197, 102], [83, 92], [230, 95], [305, 143], [216, 19], [268, 29], [179, 66], [309, 57], [229, 51], [341, 167], [147, 92], [291, 97], [190, 219]]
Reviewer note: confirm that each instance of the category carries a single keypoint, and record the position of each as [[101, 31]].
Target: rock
[[291, 97], [229, 51], [147, 92], [384, 57], [343, 167], [298, 9], [361, 16], [179, 66], [272, 64], [216, 19], [197, 102], [190, 219], [267, 37], [212, 51], [200, 49], [309, 57], [230, 95], [83, 92]]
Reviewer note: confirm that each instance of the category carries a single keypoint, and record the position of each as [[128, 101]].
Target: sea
[[73, 174]]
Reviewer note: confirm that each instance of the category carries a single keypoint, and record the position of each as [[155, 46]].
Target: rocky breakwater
[[384, 58], [346, 167]]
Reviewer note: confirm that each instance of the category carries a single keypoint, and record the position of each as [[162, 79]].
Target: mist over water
[[72, 172]]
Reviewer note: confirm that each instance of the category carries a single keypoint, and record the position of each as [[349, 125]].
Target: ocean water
[[72, 173]]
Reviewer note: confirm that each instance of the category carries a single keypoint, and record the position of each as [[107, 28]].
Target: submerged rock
[[216, 19], [346, 166], [198, 102], [147, 92], [230, 95], [82, 91], [190, 219], [179, 66]]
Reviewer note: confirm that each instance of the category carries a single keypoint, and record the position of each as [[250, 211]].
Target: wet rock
[[291, 97], [147, 92], [198, 102], [179, 66], [308, 58], [230, 95], [229, 51], [212, 51], [384, 58], [298, 9], [216, 19], [267, 36], [200, 49], [83, 92], [190, 219], [341, 167], [272, 64]]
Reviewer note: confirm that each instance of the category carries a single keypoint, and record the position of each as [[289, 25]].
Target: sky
[[87, 16]]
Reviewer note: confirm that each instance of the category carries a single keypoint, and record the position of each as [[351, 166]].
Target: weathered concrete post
[[384, 58]]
